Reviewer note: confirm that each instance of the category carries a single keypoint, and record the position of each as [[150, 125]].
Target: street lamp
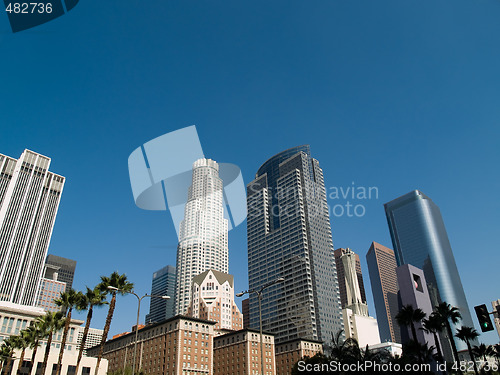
[[259, 294], [139, 299]]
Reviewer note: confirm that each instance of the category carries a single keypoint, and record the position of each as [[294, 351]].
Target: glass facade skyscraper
[[289, 236], [163, 285], [420, 239]]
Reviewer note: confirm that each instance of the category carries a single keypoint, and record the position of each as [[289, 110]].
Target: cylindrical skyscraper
[[203, 232]]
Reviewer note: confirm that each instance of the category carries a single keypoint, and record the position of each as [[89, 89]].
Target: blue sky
[[393, 94]]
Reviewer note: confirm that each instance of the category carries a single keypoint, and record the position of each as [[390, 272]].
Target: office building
[[66, 268], [245, 310], [419, 238], [94, 336], [239, 353], [290, 352], [213, 299], [50, 289], [18, 317], [202, 232], [496, 315], [186, 348], [357, 323], [413, 291], [382, 270], [289, 236], [163, 284], [341, 275], [29, 199]]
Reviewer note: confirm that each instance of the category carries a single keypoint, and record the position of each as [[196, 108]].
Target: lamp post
[[259, 295], [139, 299]]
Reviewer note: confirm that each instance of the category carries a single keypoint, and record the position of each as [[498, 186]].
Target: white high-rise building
[[202, 233], [29, 199]]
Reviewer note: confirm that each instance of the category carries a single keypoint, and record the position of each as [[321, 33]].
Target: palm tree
[[21, 341], [93, 297], [433, 325], [120, 285], [496, 353], [5, 354], [468, 334], [408, 316], [38, 332], [51, 322], [343, 351], [449, 313], [7, 351], [67, 300]]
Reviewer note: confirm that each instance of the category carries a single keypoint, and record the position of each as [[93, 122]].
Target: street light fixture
[[259, 294], [139, 299]]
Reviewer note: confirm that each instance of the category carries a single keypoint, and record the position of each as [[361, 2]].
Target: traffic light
[[484, 318]]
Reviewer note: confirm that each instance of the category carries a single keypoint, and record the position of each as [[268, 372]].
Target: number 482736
[[28, 8]]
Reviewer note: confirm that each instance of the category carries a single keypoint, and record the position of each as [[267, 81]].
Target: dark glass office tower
[[289, 236], [163, 285], [420, 239], [66, 271]]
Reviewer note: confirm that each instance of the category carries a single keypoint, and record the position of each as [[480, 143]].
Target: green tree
[[68, 301], [51, 323], [468, 334], [7, 352], [408, 316], [21, 341], [447, 314], [119, 285], [37, 333], [434, 324], [90, 299]]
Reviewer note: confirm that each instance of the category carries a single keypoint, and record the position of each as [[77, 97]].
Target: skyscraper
[[341, 275], [163, 284], [382, 269], [66, 270], [289, 236], [29, 199], [420, 239], [202, 233]]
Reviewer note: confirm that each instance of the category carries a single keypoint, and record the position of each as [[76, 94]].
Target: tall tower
[[29, 199], [66, 268], [202, 233], [420, 239], [163, 284], [289, 236], [382, 269], [341, 275]]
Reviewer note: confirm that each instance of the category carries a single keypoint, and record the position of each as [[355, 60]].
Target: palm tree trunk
[[21, 360], [63, 342], [84, 339], [452, 342], [33, 355], [106, 330], [413, 332], [7, 366], [471, 353], [47, 351], [438, 347]]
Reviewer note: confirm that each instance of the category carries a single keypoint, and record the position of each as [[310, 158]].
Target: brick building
[[290, 352], [238, 353], [177, 346]]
